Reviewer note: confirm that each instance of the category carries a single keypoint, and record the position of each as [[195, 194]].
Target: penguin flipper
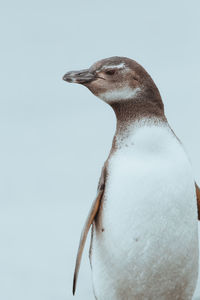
[[91, 216], [198, 199]]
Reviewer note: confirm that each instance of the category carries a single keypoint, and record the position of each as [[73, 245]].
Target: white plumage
[[149, 246]]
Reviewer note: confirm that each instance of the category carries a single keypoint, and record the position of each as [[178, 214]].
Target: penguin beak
[[81, 77]]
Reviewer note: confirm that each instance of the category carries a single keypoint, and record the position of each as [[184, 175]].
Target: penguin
[[144, 219]]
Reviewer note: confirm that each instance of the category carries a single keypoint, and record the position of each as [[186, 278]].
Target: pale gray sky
[[55, 136]]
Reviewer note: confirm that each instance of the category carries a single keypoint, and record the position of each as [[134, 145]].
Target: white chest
[[149, 216], [150, 186]]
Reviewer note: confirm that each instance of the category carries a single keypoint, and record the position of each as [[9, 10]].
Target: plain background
[[55, 136]]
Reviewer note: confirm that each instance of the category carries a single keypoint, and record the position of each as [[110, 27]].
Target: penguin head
[[115, 79]]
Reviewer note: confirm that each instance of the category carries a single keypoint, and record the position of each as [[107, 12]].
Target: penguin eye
[[110, 72]]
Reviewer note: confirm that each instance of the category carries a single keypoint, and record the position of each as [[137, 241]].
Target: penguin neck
[[134, 113]]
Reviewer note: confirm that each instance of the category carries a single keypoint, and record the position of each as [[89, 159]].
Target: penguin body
[[144, 218], [145, 238]]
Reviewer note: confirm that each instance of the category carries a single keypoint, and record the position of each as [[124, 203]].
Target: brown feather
[[198, 200], [93, 211]]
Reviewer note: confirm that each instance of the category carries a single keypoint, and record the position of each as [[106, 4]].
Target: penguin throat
[[133, 113], [130, 111]]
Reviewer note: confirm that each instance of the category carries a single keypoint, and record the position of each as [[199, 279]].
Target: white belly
[[148, 248]]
